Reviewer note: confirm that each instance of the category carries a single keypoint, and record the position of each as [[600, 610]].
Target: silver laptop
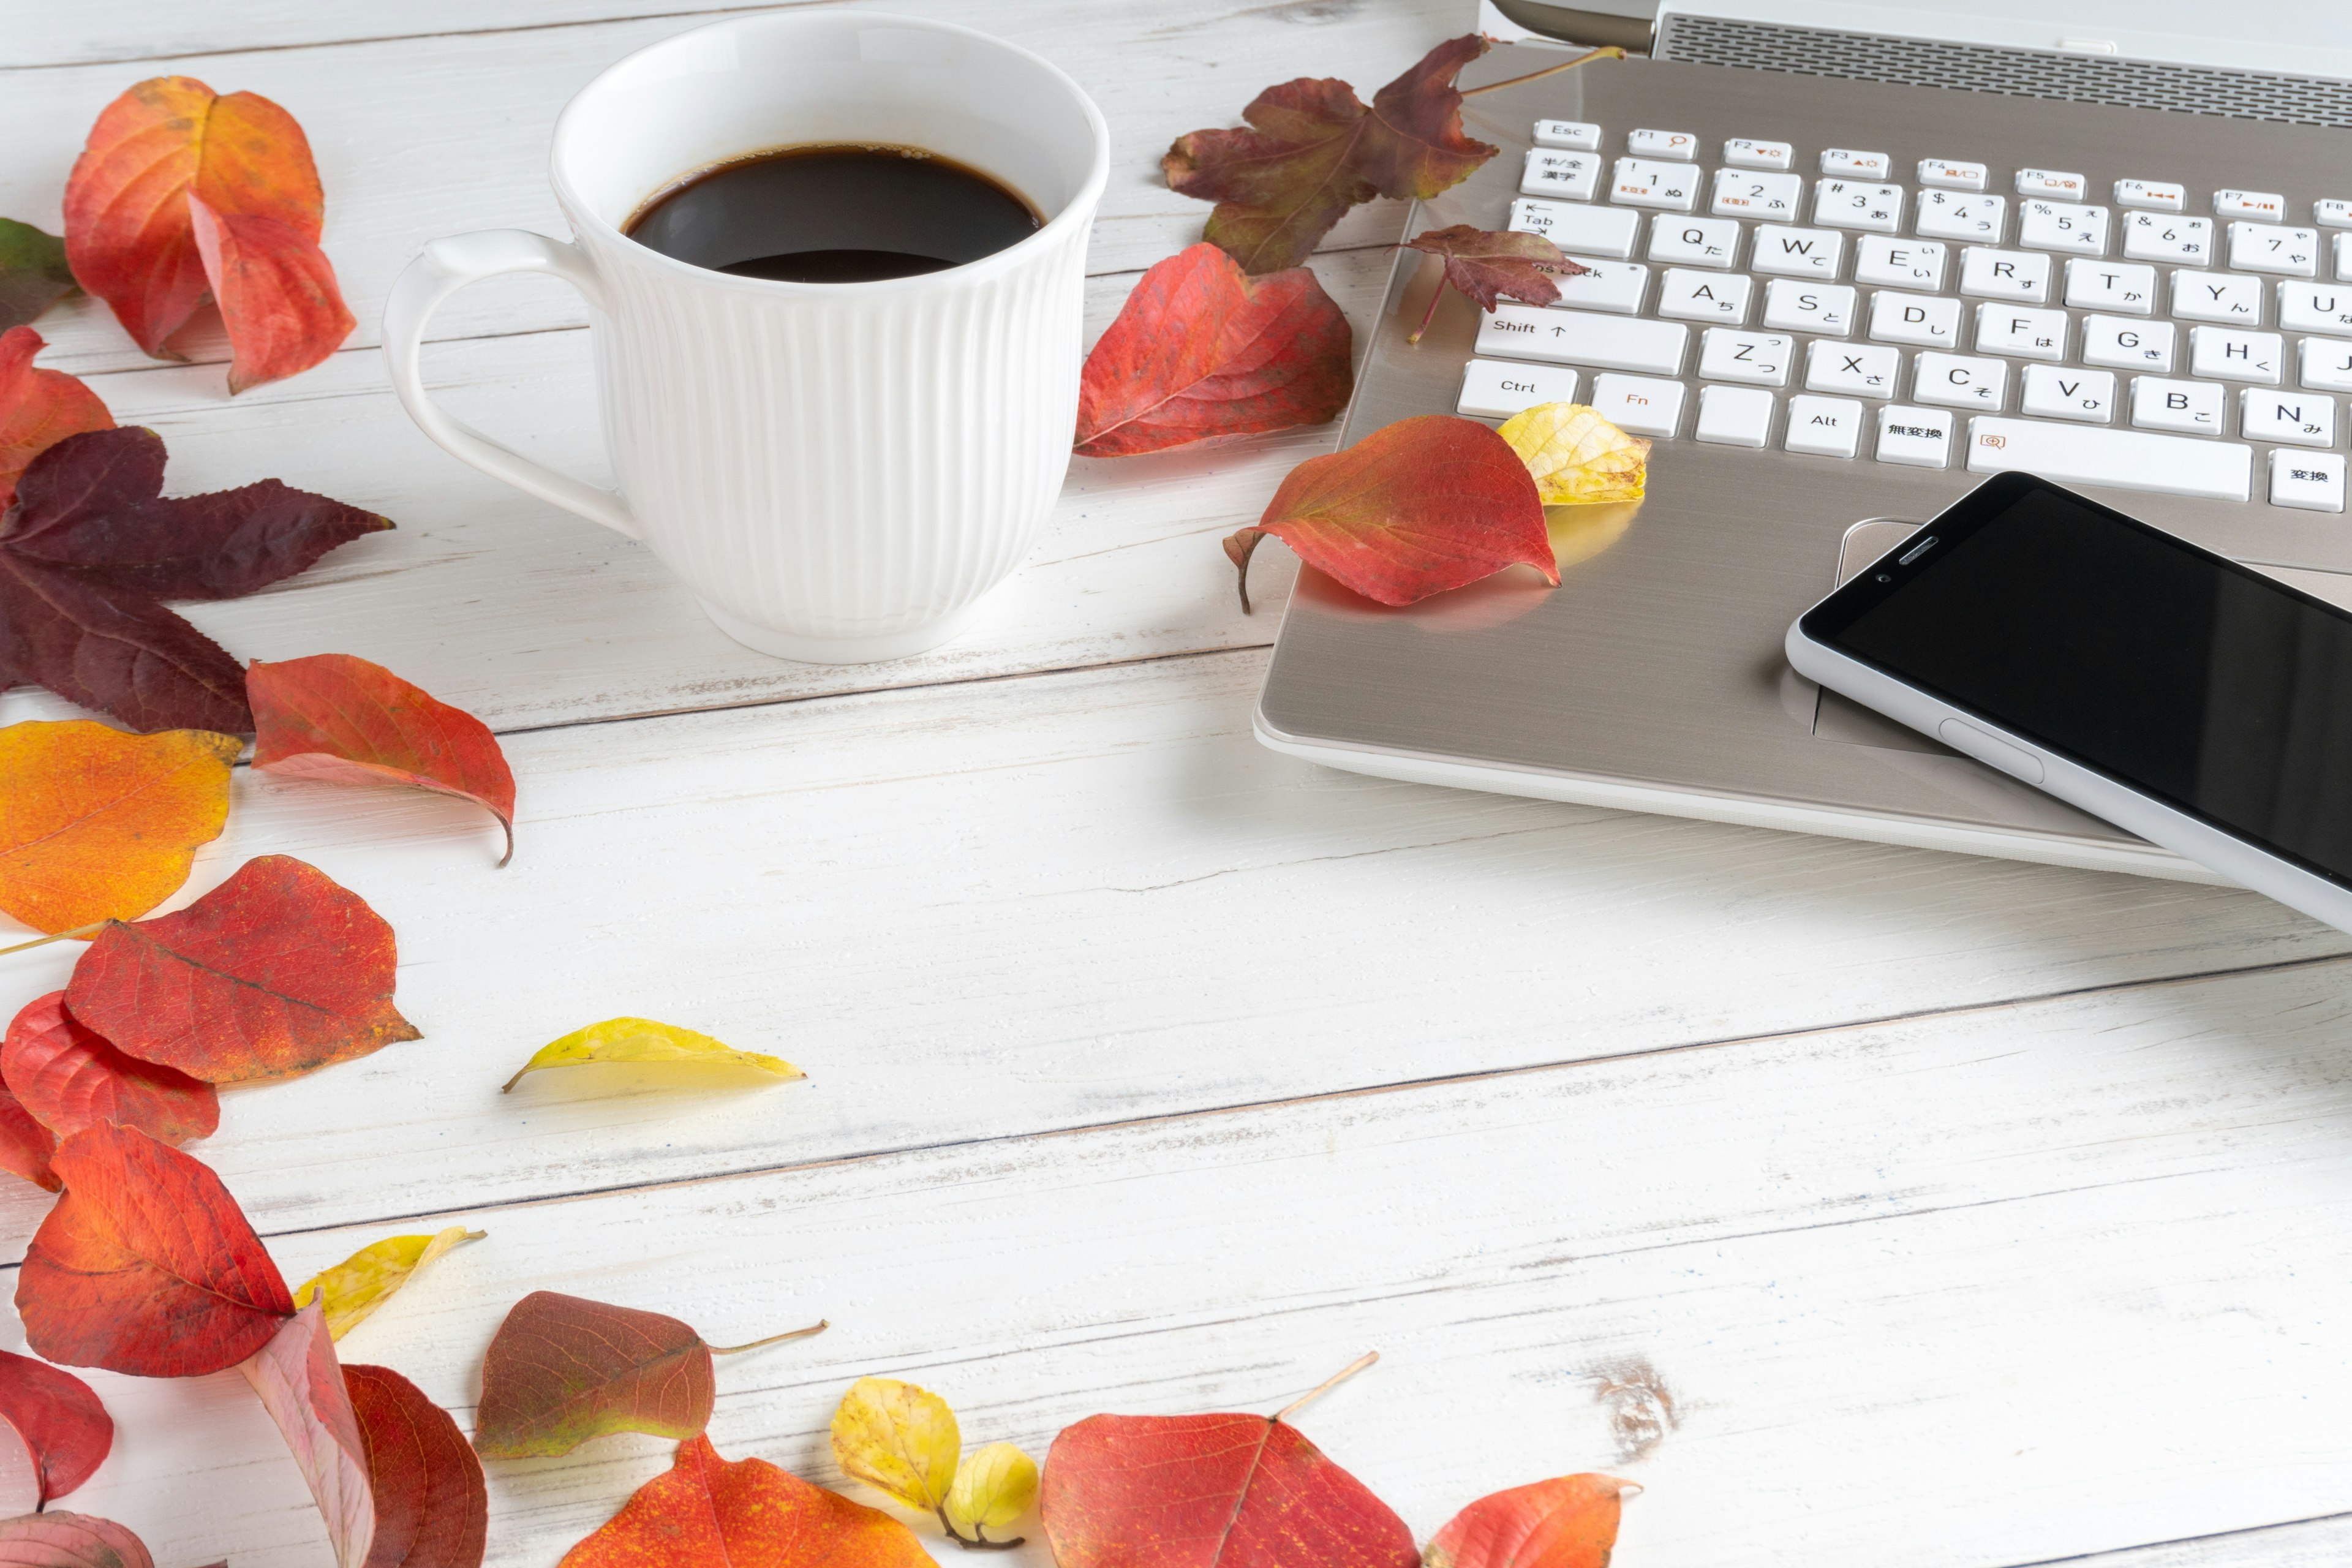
[[1848, 257]]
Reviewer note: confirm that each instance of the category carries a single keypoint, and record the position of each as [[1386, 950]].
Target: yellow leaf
[[992, 1489], [899, 1439], [643, 1040], [1577, 456], [366, 1279]]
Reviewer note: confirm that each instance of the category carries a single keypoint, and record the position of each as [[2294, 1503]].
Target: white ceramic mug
[[838, 470]]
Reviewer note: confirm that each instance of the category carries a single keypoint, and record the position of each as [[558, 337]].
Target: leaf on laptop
[[369, 1278], [1575, 456], [1485, 266], [1202, 348], [706, 1509], [1570, 1521], [34, 275], [38, 409], [1413, 509]]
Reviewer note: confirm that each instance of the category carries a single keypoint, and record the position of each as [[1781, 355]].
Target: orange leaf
[[344, 720], [277, 293], [69, 1077], [1570, 1521], [432, 1507], [301, 1385], [101, 825], [745, 1513], [38, 409]]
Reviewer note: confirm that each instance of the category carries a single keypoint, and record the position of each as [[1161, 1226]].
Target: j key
[[2119, 459], [1580, 230], [2154, 237], [1854, 204], [2111, 286], [2127, 344], [2022, 331], [2217, 296], [1951, 175], [1576, 135], [2225, 355], [1582, 337], [2315, 307], [1891, 263], [1678, 144], [2062, 226], [1857, 370], [1650, 183], [2262, 206], [1798, 252], [1743, 193], [1960, 380], [1741, 153], [2325, 364], [1947, 214], [2052, 183], [1705, 296], [2275, 247], [2158, 195], [2084, 395], [1575, 176], [2020, 275]]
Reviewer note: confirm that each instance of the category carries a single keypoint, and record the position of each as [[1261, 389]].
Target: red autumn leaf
[[1211, 1492], [1314, 151], [344, 720], [1413, 509], [68, 1078], [34, 275], [146, 1266], [181, 193], [1487, 266], [561, 1370], [70, 1540], [745, 1513], [38, 409], [24, 1144], [432, 1507], [1201, 348], [1570, 1521], [64, 1427], [277, 971], [301, 1385]]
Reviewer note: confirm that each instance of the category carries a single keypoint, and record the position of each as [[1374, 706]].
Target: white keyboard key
[[1797, 252], [1580, 230], [2127, 344], [2217, 296], [1677, 145], [1734, 416], [2325, 365], [1857, 371], [1574, 176], [2308, 481], [1492, 389], [1856, 166], [1638, 405], [2121, 459], [2022, 331], [1960, 380], [1583, 337], [1792, 305], [2052, 183], [2021, 276], [1694, 241], [1823, 427], [1947, 214], [2332, 213], [1915, 437], [2343, 258], [2262, 206], [2193, 407], [2110, 286], [1743, 193], [2155, 237], [1951, 175], [1924, 320], [1759, 359], [1649, 183], [1746, 153], [2296, 419], [2062, 226], [2274, 248], [1853, 204], [2315, 307], [1705, 296], [2229, 355], [1616, 287], [1575, 135], [2085, 395], [1891, 263], [2157, 195]]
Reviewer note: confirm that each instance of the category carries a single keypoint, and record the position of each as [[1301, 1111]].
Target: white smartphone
[[2179, 695]]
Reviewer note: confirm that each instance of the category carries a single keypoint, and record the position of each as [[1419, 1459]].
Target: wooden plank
[[1980, 1289], [2313, 1544], [1052, 902]]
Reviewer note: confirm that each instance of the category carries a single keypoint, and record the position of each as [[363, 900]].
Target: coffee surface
[[835, 215]]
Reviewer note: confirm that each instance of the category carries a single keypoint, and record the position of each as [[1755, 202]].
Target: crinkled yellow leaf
[[898, 1439], [643, 1040], [366, 1279], [1575, 456], [992, 1489]]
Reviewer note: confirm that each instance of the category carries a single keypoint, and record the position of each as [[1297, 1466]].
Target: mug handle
[[441, 270]]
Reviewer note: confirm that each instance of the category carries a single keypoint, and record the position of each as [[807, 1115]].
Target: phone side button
[[1990, 750]]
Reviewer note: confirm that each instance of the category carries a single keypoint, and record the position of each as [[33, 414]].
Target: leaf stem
[[1607, 51], [1328, 1384], [816, 1328], [1431, 314], [980, 1541], [79, 933]]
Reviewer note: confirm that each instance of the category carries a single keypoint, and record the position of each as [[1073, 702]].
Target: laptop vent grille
[[2014, 73]]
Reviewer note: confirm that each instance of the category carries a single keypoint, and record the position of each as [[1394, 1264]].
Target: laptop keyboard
[[1951, 315]]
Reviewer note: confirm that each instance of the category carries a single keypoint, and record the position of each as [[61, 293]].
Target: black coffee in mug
[[835, 215]]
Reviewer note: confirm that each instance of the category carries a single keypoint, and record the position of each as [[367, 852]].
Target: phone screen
[[2171, 669]]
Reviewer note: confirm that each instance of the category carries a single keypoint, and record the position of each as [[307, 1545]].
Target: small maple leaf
[[1487, 266]]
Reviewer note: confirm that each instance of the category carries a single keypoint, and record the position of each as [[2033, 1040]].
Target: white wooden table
[[1869, 1207]]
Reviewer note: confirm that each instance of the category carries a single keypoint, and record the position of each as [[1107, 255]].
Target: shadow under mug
[[839, 472]]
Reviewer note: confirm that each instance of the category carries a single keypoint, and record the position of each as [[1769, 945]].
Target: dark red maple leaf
[[91, 547], [1486, 265]]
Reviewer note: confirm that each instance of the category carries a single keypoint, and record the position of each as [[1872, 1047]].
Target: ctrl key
[[2310, 481], [1494, 390]]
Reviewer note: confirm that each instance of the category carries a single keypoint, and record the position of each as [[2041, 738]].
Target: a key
[[1797, 252], [2110, 286], [2155, 237], [1959, 381], [2309, 481], [1924, 320], [1616, 287], [2022, 331], [1856, 370], [2127, 344], [1492, 389], [2275, 247], [1574, 135], [2297, 418], [1760, 359], [1915, 437], [1734, 416], [1891, 263], [1677, 145], [1583, 337], [2315, 307], [1649, 183], [2192, 407], [1823, 427], [1792, 305], [2069, 226], [1845, 161], [2324, 364], [1572, 175], [1694, 241], [2262, 206], [2086, 395], [2119, 459], [1639, 404], [1582, 230], [1948, 215], [2231, 355], [2331, 212], [2157, 195], [2052, 183], [1855, 204], [1743, 193], [1705, 296], [1950, 175], [1742, 153], [2217, 296], [2021, 276]]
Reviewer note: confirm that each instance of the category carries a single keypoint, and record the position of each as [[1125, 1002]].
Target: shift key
[[1580, 337], [2123, 459]]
